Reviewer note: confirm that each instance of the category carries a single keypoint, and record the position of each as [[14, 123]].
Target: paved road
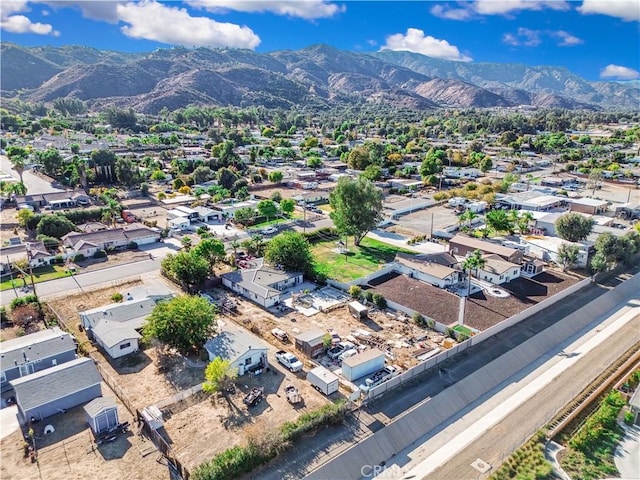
[[329, 443], [485, 435], [34, 183], [71, 285]]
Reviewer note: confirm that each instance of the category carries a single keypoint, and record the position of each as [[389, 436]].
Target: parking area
[[427, 221]]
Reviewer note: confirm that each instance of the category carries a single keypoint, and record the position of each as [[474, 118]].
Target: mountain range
[[317, 75]]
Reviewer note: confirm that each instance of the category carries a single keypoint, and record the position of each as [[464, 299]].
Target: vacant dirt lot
[[482, 311], [70, 452]]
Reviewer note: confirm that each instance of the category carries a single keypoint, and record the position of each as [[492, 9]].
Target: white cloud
[[416, 41], [566, 39], [21, 24], [307, 9], [628, 10], [444, 11], [467, 11], [619, 72], [10, 22], [501, 7], [525, 37], [154, 21], [106, 11]]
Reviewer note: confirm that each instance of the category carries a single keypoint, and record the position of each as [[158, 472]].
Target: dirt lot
[[482, 311], [67, 454]]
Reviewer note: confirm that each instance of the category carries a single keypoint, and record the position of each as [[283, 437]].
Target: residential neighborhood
[[223, 265]]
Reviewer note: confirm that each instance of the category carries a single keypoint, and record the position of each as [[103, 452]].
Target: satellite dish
[[48, 430]]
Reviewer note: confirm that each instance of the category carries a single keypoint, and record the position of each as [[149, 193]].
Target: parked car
[[347, 353], [269, 231], [339, 349], [289, 360]]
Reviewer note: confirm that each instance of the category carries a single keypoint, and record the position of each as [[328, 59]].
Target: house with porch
[[33, 353], [546, 249], [261, 284]]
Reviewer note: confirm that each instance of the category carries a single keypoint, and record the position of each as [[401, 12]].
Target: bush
[[629, 417], [368, 296], [418, 319], [79, 258], [21, 301], [132, 246], [58, 260], [379, 300], [355, 291], [100, 254], [117, 297]]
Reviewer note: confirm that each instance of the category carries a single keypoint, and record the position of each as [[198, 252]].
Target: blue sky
[[597, 39]]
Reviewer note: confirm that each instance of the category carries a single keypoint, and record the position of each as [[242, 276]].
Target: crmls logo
[[390, 472]]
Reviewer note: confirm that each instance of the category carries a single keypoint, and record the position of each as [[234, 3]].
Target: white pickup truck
[[379, 377], [289, 360]]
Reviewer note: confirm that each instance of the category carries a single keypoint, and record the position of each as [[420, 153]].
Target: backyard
[[362, 260]]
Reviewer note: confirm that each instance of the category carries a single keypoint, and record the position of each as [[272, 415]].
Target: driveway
[[8, 421]]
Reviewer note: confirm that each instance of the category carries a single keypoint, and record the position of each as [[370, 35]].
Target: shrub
[[418, 319], [58, 260], [117, 297], [79, 258], [451, 333], [132, 246], [21, 301], [379, 300], [100, 254], [368, 296], [629, 417], [355, 291]]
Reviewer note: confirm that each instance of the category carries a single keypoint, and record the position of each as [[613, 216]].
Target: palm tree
[[524, 221], [16, 188], [18, 165], [475, 261]]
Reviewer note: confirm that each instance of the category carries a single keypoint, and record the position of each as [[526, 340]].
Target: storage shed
[[101, 413], [56, 389], [362, 364], [358, 310], [311, 342]]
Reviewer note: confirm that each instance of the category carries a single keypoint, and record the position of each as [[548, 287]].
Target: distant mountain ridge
[[318, 75]]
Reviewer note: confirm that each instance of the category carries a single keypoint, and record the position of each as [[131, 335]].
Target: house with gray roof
[[262, 284], [497, 270], [241, 348], [33, 353], [116, 327], [422, 268], [56, 389], [89, 243]]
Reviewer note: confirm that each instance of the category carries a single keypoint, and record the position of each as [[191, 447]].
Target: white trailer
[[363, 364], [323, 380]]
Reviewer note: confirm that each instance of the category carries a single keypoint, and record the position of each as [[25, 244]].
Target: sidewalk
[[627, 456]]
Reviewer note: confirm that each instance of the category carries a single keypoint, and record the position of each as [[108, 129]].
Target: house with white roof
[[116, 327], [546, 249], [422, 268], [262, 284]]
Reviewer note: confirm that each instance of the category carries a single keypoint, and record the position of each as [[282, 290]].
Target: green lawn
[[360, 261], [464, 330], [41, 274]]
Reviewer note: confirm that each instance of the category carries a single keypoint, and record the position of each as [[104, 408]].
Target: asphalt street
[[33, 183]]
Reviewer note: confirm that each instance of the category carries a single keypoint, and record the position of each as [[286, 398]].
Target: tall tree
[[55, 226], [568, 255], [267, 208], [18, 157], [574, 227], [186, 268], [357, 207], [211, 249], [292, 251], [184, 323], [499, 220]]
